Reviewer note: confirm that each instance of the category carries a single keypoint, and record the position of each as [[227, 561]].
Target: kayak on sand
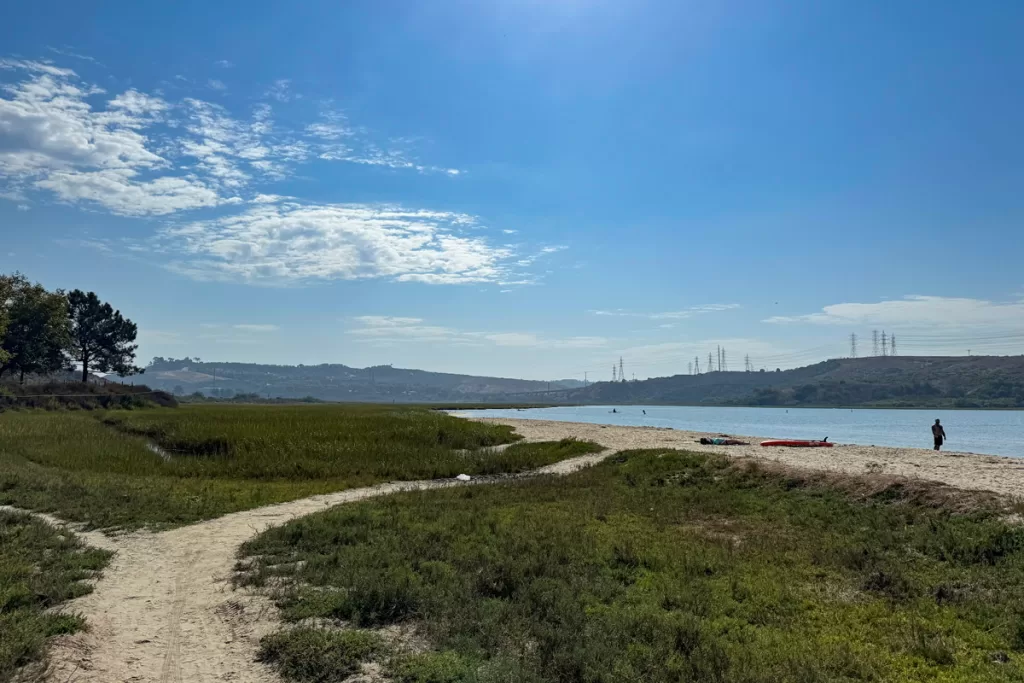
[[798, 443]]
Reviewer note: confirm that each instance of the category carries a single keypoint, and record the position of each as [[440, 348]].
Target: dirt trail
[[165, 611]]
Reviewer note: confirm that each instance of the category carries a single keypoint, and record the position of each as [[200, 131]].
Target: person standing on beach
[[939, 434]]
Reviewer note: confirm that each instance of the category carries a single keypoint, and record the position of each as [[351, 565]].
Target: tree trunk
[[85, 368], [22, 379]]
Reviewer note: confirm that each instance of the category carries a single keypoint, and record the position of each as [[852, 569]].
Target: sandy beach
[[963, 470]]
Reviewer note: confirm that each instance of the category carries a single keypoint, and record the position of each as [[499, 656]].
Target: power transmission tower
[[622, 375], [892, 345], [613, 372], [884, 344], [874, 342], [853, 345], [719, 358], [696, 365], [711, 366], [585, 383], [725, 363], [746, 363]]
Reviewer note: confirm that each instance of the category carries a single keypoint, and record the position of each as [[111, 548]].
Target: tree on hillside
[[38, 329], [6, 289], [101, 339]]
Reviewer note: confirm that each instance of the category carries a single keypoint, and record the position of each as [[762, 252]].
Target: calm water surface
[[995, 432]]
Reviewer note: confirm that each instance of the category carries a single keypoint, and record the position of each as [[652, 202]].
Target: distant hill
[[335, 382], [894, 381]]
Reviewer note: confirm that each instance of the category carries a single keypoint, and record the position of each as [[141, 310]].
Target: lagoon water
[[995, 432]]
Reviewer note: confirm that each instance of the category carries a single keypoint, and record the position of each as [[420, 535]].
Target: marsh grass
[[99, 469], [660, 566], [40, 567]]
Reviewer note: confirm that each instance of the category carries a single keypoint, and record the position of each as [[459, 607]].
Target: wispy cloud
[[137, 153], [252, 327], [393, 330], [224, 64], [67, 52], [916, 311], [281, 90], [681, 314], [216, 84], [290, 242]]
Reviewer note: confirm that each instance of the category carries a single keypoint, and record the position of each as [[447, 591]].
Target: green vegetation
[[101, 338], [79, 396], [40, 567], [101, 469], [658, 566], [43, 332]]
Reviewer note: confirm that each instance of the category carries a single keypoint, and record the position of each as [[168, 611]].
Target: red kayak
[[797, 443]]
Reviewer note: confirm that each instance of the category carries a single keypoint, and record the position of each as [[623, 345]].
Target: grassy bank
[[660, 566], [40, 567], [81, 396], [101, 469]]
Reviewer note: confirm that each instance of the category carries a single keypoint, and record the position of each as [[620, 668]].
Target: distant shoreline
[[531, 406], [971, 471]]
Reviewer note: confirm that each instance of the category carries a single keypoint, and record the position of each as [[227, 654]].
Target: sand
[[962, 470], [164, 610]]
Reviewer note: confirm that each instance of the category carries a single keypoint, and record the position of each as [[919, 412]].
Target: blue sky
[[527, 188]]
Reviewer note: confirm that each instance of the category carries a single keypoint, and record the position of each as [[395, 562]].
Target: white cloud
[[280, 90], [65, 52], [136, 153], [118, 191], [287, 242], [216, 84], [52, 139], [251, 327], [329, 131], [917, 311], [36, 67], [223, 63], [681, 314], [392, 330]]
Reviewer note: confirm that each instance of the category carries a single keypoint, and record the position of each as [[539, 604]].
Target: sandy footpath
[[962, 470], [164, 610]]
